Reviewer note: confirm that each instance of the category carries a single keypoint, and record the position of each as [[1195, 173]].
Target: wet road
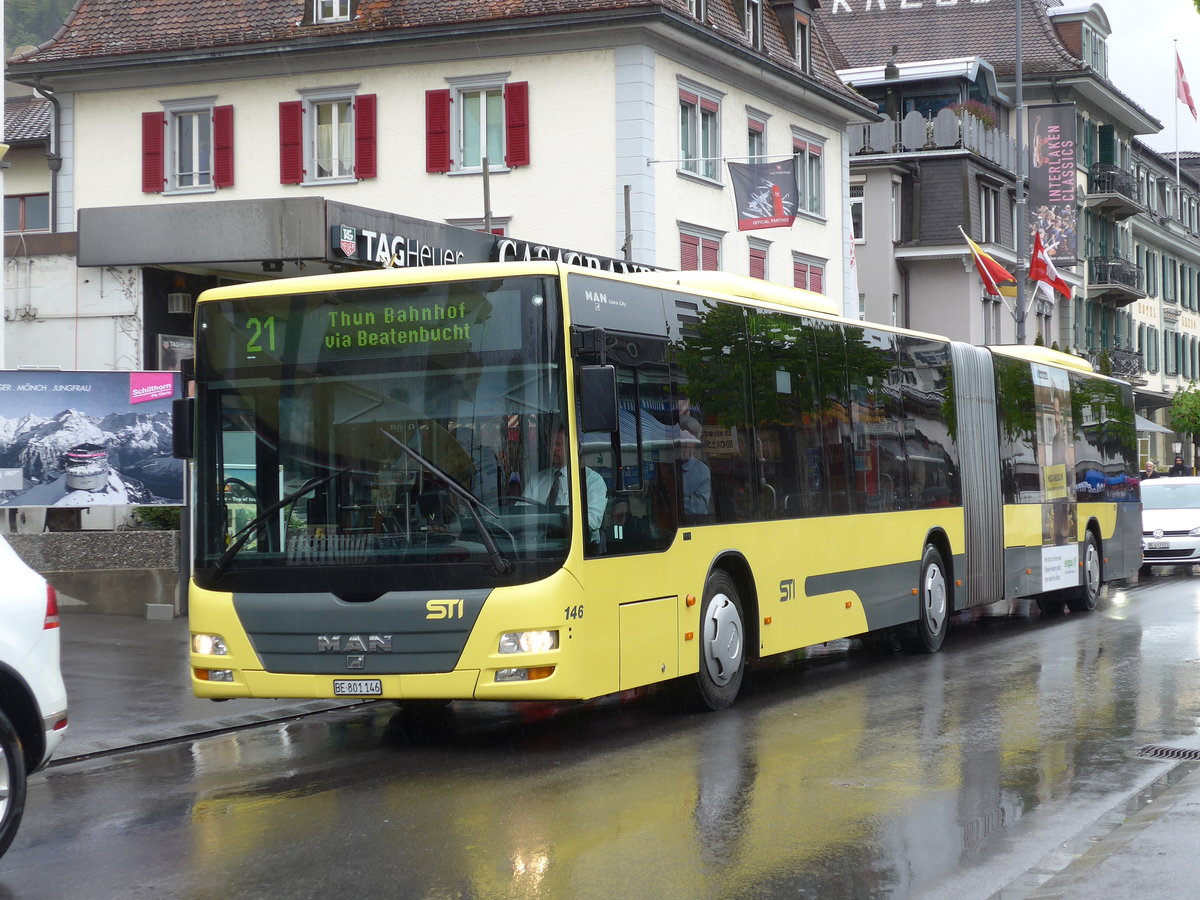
[[840, 773]]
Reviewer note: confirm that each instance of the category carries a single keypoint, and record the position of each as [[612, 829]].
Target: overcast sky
[[1141, 63]]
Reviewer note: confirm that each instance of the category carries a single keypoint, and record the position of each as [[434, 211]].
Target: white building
[[197, 144]]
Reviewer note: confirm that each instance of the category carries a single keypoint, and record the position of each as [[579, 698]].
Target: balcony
[[1114, 279], [1112, 192], [1126, 364], [945, 131]]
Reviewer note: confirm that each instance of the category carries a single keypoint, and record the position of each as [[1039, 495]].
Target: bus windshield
[[390, 429]]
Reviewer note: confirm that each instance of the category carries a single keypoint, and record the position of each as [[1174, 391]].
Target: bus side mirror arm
[[183, 412], [598, 399]]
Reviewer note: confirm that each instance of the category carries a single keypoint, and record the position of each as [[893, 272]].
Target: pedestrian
[[1151, 470], [1179, 468]]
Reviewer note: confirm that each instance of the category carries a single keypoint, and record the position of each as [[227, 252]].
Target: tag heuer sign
[[345, 240]]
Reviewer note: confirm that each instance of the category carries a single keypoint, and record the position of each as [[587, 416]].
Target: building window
[[896, 207], [698, 9], [809, 174], [808, 273], [803, 44], [500, 224], [327, 136], [754, 22], [332, 10], [1095, 51], [27, 212], [758, 258], [989, 213], [699, 250], [756, 140], [187, 147], [699, 134], [856, 211], [490, 119]]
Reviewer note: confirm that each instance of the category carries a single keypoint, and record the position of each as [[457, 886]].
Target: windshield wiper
[[502, 565], [240, 539]]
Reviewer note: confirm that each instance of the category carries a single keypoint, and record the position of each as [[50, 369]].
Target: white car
[[33, 699], [1170, 522]]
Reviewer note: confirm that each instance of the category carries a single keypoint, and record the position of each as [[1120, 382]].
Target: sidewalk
[[127, 684]]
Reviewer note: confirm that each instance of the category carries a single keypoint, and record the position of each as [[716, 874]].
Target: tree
[[32, 21], [1185, 412]]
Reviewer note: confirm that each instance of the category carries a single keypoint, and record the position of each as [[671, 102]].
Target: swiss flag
[[1182, 91], [1041, 270]]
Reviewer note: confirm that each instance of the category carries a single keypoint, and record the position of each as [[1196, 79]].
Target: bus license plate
[[1158, 545], [358, 687]]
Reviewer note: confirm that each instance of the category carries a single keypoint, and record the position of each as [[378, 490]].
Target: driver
[[551, 487]]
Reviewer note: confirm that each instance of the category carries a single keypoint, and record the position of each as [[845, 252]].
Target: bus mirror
[[598, 399], [182, 411]]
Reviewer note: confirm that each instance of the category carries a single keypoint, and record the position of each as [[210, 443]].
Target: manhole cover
[[1154, 751]]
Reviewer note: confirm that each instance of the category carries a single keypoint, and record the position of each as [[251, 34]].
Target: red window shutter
[[365, 157], [689, 253], [223, 146], [756, 126], [814, 149], [800, 275], [816, 279], [689, 98], [758, 263], [708, 105], [516, 124], [437, 131], [709, 255], [154, 134], [291, 142]]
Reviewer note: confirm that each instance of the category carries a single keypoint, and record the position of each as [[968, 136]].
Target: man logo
[[444, 609], [354, 643]]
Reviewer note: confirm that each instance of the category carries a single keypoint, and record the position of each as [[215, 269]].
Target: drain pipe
[[53, 159]]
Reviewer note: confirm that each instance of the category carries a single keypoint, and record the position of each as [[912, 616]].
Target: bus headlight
[[209, 645], [528, 641]]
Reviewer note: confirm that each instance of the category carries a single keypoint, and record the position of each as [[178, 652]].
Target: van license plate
[[358, 687]]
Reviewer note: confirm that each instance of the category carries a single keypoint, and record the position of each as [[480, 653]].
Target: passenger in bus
[[552, 487], [697, 478]]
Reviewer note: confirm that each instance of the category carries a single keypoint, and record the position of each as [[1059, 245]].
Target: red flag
[[997, 280], [1041, 270], [1182, 91]]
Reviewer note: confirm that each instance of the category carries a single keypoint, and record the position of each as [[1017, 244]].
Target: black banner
[[765, 194]]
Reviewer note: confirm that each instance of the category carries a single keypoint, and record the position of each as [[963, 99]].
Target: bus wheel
[[933, 613], [722, 643], [1084, 597]]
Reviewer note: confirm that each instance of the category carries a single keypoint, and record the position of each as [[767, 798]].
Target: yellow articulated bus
[[532, 481]]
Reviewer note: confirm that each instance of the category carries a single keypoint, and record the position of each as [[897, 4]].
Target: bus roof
[[369, 278], [747, 288], [1037, 353]]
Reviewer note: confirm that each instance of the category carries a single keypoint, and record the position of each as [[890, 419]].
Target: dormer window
[[1095, 51], [754, 22], [324, 11], [698, 9], [803, 43]]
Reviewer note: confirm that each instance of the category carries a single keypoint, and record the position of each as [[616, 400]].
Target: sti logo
[[444, 609]]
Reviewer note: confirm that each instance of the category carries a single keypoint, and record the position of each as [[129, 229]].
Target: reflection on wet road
[[840, 773]]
